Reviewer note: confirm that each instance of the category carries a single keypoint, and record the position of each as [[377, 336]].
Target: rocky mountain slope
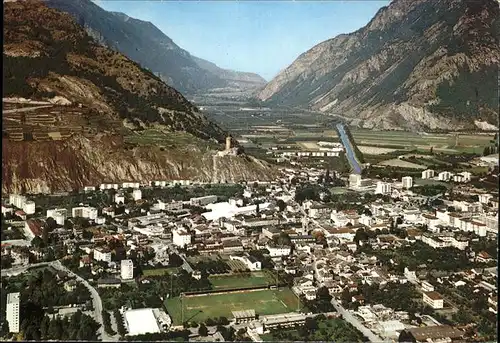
[[91, 100], [144, 43], [417, 64], [234, 79]]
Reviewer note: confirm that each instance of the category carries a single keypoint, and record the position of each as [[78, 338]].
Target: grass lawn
[[200, 308], [160, 271], [235, 280]]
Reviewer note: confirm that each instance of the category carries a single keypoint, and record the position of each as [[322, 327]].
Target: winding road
[[96, 298]]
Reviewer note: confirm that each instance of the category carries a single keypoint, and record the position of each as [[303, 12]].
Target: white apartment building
[[444, 176], [84, 212], [428, 174], [104, 186], [119, 198], [180, 237], [13, 311], [277, 251], [433, 299], [383, 188], [130, 185], [354, 180], [59, 214], [427, 287], [101, 254], [491, 223], [407, 182], [203, 201], [170, 206], [485, 198], [137, 194], [29, 207], [442, 241], [127, 269], [17, 200]]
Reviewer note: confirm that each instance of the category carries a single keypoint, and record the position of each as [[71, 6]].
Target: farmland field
[[200, 308], [373, 150], [396, 162], [441, 142], [308, 145], [237, 280]]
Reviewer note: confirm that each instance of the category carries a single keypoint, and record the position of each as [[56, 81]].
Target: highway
[[351, 156]]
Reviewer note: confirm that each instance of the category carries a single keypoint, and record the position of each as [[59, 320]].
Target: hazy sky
[[256, 36]]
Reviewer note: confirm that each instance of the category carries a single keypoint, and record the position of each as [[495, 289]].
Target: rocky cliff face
[[43, 167], [91, 100], [144, 43], [417, 64]]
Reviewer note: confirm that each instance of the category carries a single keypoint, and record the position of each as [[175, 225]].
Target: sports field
[[241, 280], [200, 308]]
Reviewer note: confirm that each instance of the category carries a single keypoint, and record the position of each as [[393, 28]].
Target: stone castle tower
[[228, 143]]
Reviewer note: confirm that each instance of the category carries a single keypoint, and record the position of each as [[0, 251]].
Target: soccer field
[[200, 308], [235, 280]]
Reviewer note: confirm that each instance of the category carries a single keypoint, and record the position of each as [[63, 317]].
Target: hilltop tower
[[228, 143]]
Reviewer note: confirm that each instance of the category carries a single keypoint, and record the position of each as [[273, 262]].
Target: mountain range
[[95, 115], [147, 45], [418, 64]]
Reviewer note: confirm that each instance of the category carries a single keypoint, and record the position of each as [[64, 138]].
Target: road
[[26, 109], [19, 270], [96, 300], [351, 156], [186, 265], [348, 317]]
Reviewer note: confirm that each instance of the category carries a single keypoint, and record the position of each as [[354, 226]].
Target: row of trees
[[106, 319], [120, 326]]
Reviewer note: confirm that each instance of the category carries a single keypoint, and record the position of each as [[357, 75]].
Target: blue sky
[[255, 36]]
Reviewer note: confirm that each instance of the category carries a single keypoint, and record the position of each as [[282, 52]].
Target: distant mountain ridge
[[104, 117], [144, 43], [417, 64]]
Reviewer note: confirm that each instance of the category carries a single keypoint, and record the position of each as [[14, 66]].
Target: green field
[[159, 271], [200, 308], [236, 280]]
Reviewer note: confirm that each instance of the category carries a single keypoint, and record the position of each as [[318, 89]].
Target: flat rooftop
[[141, 321]]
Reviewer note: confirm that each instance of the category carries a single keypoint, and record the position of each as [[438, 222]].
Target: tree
[[405, 337], [45, 234], [281, 205], [51, 224], [202, 330], [486, 151], [311, 324]]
